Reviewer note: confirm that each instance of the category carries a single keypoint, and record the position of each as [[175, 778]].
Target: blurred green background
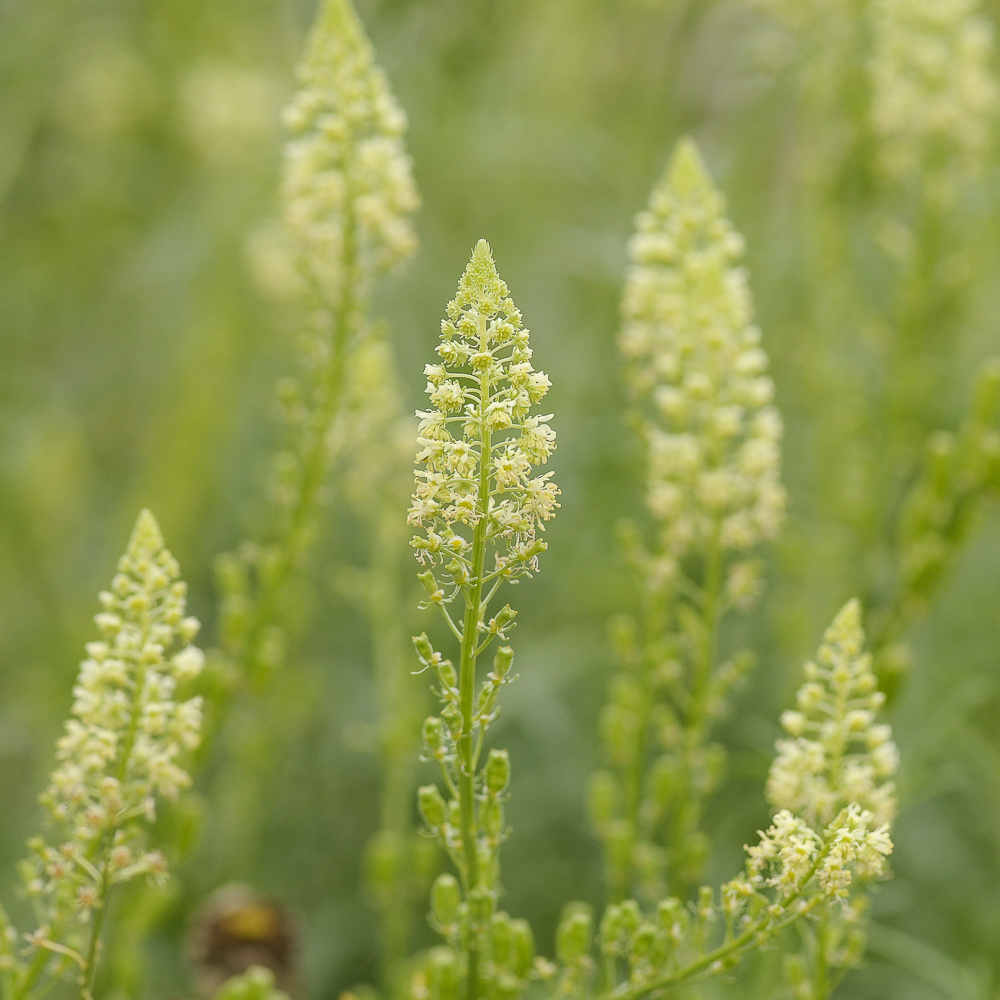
[[140, 343]]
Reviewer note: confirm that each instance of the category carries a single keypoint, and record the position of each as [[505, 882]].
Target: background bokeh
[[141, 338]]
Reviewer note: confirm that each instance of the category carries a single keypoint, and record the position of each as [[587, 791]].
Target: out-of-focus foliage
[[142, 331]]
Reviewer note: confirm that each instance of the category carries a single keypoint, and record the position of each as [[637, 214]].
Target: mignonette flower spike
[[836, 754], [933, 92], [479, 442], [121, 750], [348, 185], [479, 507], [696, 366]]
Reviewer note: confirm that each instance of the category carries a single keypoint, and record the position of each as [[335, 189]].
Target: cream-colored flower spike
[[479, 442], [696, 365], [124, 740], [837, 754], [933, 94], [348, 186]]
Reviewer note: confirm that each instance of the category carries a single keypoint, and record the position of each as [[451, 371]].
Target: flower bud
[[497, 771]]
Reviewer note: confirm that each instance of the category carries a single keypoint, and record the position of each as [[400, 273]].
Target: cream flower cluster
[[128, 730], [348, 186], [790, 854], [934, 96], [837, 754], [479, 442], [696, 365]]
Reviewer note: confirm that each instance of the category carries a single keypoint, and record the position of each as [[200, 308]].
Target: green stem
[[473, 593], [821, 989], [687, 815], [90, 968]]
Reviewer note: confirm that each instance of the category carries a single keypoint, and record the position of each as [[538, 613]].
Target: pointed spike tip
[[480, 279], [146, 535], [687, 171], [339, 18]]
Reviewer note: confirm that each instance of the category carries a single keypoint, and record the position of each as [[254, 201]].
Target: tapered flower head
[[836, 753], [349, 190], [479, 442], [698, 371], [127, 733], [933, 94]]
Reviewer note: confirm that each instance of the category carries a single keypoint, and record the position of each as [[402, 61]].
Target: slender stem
[[467, 676], [687, 815], [821, 989], [765, 927]]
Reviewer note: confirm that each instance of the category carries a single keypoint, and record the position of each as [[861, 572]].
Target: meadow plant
[[122, 750], [703, 408], [478, 508], [702, 405]]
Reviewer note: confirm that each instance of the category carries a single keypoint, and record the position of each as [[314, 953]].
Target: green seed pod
[[481, 903], [602, 797], [423, 647], [452, 717], [446, 897], [447, 674], [433, 734], [492, 820], [643, 942], [502, 661], [497, 772], [442, 974], [574, 933], [503, 618], [523, 947], [432, 806], [631, 916], [500, 939], [427, 581]]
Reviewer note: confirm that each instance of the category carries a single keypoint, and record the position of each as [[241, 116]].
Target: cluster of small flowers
[[933, 92], [790, 853], [696, 364], [348, 187], [121, 747], [837, 754], [478, 443]]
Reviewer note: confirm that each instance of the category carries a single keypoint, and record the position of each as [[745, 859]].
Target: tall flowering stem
[[703, 407], [478, 507], [349, 198], [831, 786], [120, 752]]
